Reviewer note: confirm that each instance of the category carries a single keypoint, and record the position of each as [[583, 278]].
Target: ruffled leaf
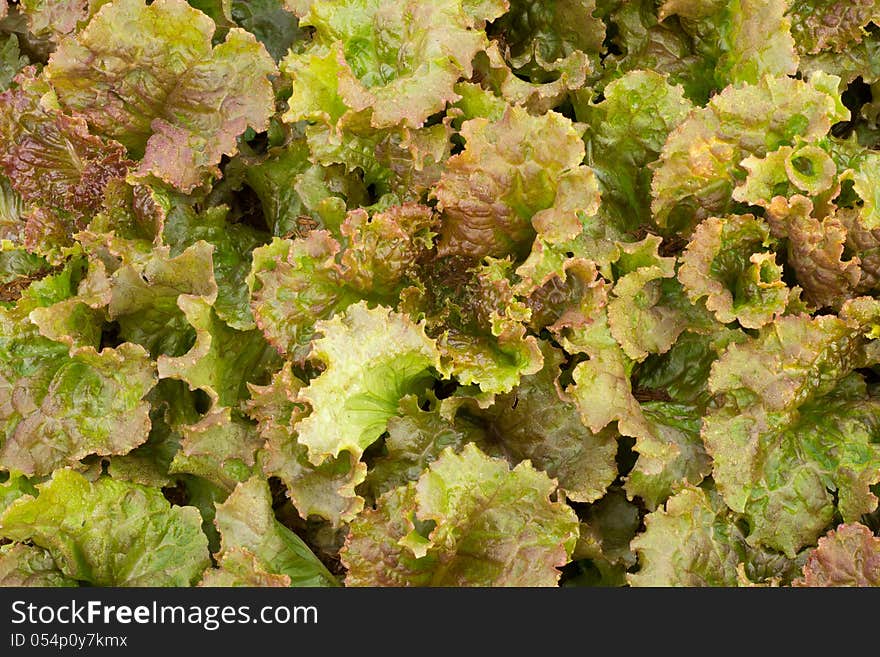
[[294, 284], [533, 422], [500, 85], [172, 407], [644, 315], [144, 297], [219, 447], [743, 39], [14, 487], [241, 567], [110, 533], [683, 372], [601, 386], [815, 251], [55, 19], [865, 175], [695, 175], [247, 523], [231, 260], [791, 425], [846, 556], [836, 25], [295, 193], [63, 402], [694, 541], [671, 456], [473, 312], [510, 170], [727, 263], [382, 250], [538, 36], [389, 64], [27, 565], [627, 132], [222, 361], [87, 403], [398, 159], [468, 521], [784, 172], [326, 490], [373, 358], [54, 163], [164, 92], [416, 438]]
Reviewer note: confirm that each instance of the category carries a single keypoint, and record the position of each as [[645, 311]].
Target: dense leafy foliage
[[451, 293]]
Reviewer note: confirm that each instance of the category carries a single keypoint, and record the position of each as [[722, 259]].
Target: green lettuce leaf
[[864, 176], [858, 60], [28, 565], [534, 422], [75, 321], [172, 407], [219, 447], [110, 533], [130, 212], [640, 40], [240, 567], [63, 402], [647, 311], [603, 553], [626, 132], [290, 188], [373, 358], [222, 360], [326, 490], [89, 402], [144, 297], [415, 439], [247, 523], [468, 521], [164, 92], [743, 40], [478, 320], [728, 263], [538, 36], [389, 65], [694, 541], [671, 456], [231, 260], [11, 60], [400, 160], [294, 284], [14, 487], [792, 424], [682, 374], [274, 25], [499, 85], [785, 172], [695, 175], [601, 386]]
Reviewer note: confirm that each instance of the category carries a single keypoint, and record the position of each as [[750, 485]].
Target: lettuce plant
[[454, 293]]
